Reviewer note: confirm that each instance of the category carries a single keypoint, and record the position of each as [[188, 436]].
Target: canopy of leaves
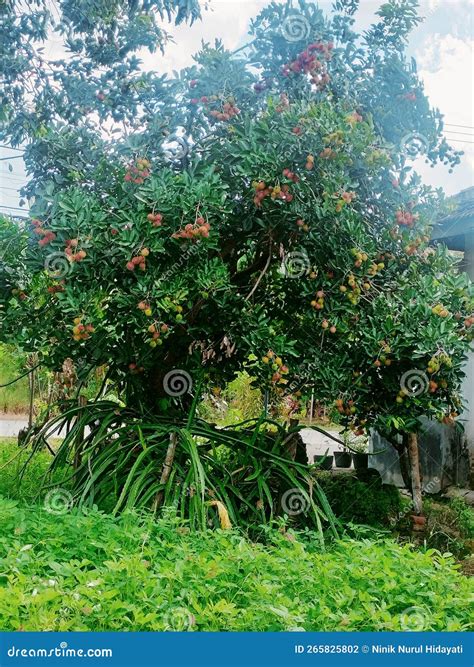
[[257, 210]]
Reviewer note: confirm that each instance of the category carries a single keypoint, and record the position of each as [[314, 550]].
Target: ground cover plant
[[83, 570]]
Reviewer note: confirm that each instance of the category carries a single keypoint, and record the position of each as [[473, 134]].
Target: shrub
[[464, 517], [352, 500], [88, 571], [450, 527], [237, 402]]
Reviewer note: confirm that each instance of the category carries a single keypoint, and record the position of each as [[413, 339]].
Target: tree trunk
[[415, 473], [404, 461], [165, 473]]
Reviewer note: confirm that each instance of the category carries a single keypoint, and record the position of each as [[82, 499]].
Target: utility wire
[[10, 148], [468, 127], [14, 208], [467, 134]]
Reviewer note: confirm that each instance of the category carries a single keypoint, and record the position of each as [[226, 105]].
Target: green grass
[[65, 569], [12, 459], [15, 397]]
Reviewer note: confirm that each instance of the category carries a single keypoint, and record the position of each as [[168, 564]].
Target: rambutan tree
[[257, 211]]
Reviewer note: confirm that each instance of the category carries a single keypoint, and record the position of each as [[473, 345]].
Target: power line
[[467, 127], [467, 134], [10, 148], [11, 174], [15, 208]]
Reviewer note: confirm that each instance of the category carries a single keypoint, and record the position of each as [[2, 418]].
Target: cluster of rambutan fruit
[[359, 257], [200, 229], [469, 321], [229, 111], [309, 162], [262, 190], [345, 408], [71, 245], [19, 293], [216, 107], [383, 359], [309, 62], [440, 310], [284, 103], [375, 268], [157, 330], [135, 369], [53, 289], [348, 409], [342, 199], [302, 225], [354, 294], [81, 331], [438, 360], [318, 302], [155, 218], [138, 171], [276, 367], [327, 325], [405, 218], [47, 235], [328, 153], [139, 260], [354, 118]]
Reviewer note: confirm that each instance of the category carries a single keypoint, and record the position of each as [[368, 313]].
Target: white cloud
[[445, 66], [227, 20]]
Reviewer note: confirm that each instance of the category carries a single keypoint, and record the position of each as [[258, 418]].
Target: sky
[[442, 46]]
